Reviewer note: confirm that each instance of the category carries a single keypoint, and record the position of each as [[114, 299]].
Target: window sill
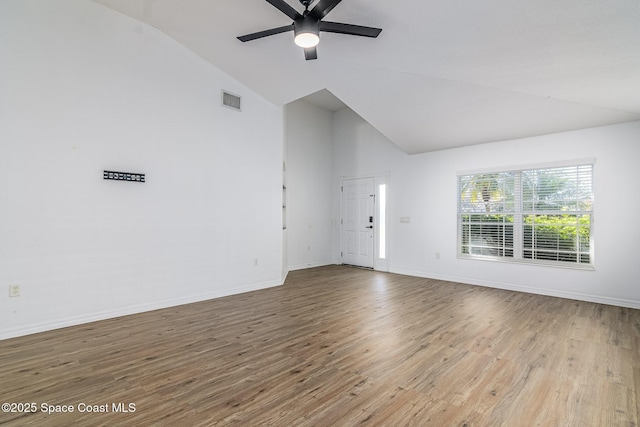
[[553, 264]]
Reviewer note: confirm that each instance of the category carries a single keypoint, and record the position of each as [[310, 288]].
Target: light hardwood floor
[[339, 346]]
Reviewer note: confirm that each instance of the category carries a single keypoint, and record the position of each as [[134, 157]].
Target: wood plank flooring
[[338, 346]]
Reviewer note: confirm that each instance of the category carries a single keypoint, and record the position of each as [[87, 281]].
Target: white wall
[[309, 153], [423, 187], [84, 89]]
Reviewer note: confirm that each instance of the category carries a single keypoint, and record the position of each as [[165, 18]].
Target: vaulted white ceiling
[[441, 74]]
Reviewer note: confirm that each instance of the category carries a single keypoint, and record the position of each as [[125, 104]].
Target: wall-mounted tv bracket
[[124, 176]]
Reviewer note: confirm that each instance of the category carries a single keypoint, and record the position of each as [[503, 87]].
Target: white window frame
[[518, 213]]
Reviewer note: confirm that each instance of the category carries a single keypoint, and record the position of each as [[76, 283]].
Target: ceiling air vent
[[230, 100]]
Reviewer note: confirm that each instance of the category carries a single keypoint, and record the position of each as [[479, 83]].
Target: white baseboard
[[133, 309], [620, 302], [309, 265], [140, 308]]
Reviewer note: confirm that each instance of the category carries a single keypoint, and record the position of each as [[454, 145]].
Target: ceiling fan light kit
[[307, 26], [306, 32]]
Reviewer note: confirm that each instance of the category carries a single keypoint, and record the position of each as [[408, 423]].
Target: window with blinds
[[541, 215]]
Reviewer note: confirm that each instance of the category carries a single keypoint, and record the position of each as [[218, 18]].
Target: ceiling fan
[[306, 27]]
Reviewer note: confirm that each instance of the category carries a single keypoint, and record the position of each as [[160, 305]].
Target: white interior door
[[358, 197]]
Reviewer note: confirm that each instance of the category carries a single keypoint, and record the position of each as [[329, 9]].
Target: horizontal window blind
[[486, 214], [536, 215], [557, 205]]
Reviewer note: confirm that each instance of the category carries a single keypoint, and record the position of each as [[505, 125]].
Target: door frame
[[379, 264]]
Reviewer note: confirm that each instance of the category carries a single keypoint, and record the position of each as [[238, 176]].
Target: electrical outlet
[[14, 290], [437, 255]]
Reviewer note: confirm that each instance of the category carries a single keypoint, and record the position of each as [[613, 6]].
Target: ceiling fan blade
[[354, 30], [323, 7], [265, 33], [285, 8], [310, 53]]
